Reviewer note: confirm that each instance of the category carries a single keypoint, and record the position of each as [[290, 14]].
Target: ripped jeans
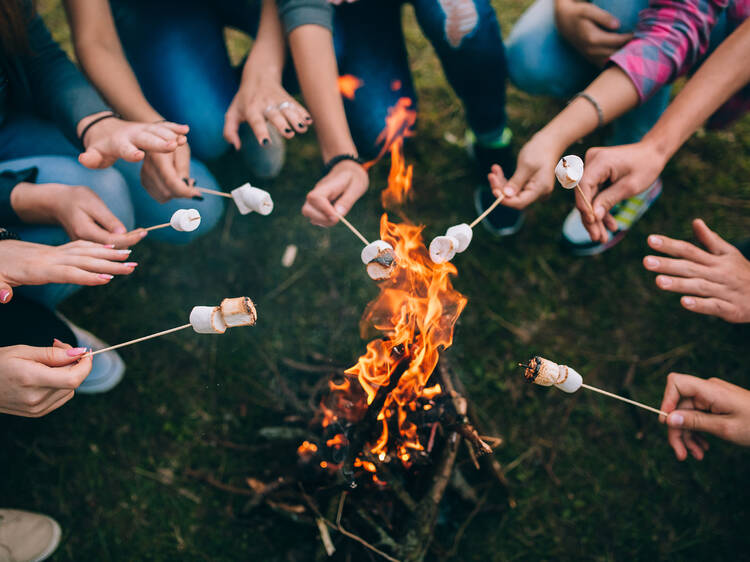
[[465, 34]]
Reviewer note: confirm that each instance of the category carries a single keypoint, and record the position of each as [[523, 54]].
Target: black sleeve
[[8, 180]]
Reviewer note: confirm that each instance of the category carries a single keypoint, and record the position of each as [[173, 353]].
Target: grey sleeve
[[294, 13], [59, 90]]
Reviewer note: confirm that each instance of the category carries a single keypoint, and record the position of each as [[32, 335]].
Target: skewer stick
[[585, 199], [166, 224], [356, 232], [618, 397], [487, 211], [213, 192], [144, 338]]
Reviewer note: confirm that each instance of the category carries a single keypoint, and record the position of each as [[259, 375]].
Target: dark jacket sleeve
[[58, 90], [294, 13], [8, 180]]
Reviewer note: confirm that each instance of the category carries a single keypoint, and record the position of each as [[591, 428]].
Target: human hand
[[36, 380], [590, 30], [611, 175], [535, 173], [80, 263], [167, 175], [76, 208], [335, 194], [699, 405], [111, 139], [259, 100], [716, 282]]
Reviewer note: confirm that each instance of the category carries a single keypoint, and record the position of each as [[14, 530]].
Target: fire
[[348, 85], [307, 448]]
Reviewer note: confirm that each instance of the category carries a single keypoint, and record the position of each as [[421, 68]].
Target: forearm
[[613, 91], [715, 81], [269, 49], [315, 62]]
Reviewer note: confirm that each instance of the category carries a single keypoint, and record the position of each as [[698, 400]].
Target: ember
[[348, 85]]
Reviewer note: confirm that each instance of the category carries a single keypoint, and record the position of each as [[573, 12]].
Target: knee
[[529, 67], [206, 122]]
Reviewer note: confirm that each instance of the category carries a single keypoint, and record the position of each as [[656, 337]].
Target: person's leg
[[108, 184], [178, 53], [149, 212], [370, 45]]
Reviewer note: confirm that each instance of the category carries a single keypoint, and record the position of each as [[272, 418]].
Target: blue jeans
[[185, 71], [26, 141], [540, 61]]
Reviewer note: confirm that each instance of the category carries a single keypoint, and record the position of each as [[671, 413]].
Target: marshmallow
[[185, 220], [371, 251], [382, 265], [239, 311], [462, 233], [207, 320], [547, 373], [569, 171], [249, 199], [443, 248]]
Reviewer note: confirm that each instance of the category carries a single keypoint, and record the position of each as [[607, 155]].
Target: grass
[[593, 479]]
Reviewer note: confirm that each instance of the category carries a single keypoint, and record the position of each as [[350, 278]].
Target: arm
[[631, 169]]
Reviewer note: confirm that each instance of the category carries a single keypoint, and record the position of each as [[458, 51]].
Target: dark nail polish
[[301, 124], [308, 119], [266, 142], [287, 130], [187, 182], [198, 198]]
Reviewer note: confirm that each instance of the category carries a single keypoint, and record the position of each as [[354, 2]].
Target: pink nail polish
[[110, 246], [75, 351], [4, 295], [126, 252], [106, 276], [131, 264]]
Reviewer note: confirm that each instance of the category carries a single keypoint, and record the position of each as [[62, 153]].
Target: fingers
[[353, 191], [144, 140], [697, 420], [275, 117], [232, 126], [6, 293], [91, 249], [100, 266], [50, 357], [77, 276], [166, 172], [698, 287], [712, 307], [92, 158], [609, 197], [55, 400], [680, 386], [297, 117], [518, 190], [182, 164], [679, 249], [497, 180], [98, 210], [670, 266], [177, 128], [599, 16], [712, 241]]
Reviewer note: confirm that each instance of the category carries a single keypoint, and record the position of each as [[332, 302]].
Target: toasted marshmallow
[[462, 233], [569, 171], [548, 373], [249, 199], [443, 248], [371, 251], [207, 320], [185, 220], [383, 264], [238, 311]]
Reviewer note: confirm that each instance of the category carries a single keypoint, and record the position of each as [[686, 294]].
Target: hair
[[13, 33]]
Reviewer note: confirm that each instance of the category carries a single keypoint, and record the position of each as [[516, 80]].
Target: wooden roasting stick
[[166, 224], [547, 373], [213, 192], [487, 211], [351, 227], [378, 256], [137, 340]]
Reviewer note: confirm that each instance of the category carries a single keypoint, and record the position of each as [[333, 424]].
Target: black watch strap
[[340, 158], [8, 235]]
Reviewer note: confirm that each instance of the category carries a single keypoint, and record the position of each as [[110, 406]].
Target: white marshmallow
[[443, 248], [185, 220], [371, 251], [572, 381], [569, 171], [462, 233], [249, 199], [207, 320], [239, 311]]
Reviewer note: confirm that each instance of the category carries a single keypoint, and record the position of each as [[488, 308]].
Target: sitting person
[[668, 40], [364, 40], [698, 406]]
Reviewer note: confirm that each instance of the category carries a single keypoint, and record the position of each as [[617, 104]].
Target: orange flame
[[348, 85], [307, 448], [339, 440]]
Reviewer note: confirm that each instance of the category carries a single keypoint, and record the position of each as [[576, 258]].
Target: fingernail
[[664, 281], [4, 295], [119, 230], [340, 210], [131, 264], [651, 263], [109, 246], [73, 352], [105, 276], [301, 124], [614, 22], [143, 233], [126, 252], [599, 212], [266, 142], [287, 130], [508, 191], [198, 198], [675, 420], [688, 301], [654, 240]]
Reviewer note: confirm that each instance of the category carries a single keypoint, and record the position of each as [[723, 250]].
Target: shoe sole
[[497, 232]]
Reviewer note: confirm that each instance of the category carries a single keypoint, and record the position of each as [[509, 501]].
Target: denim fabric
[[540, 61]]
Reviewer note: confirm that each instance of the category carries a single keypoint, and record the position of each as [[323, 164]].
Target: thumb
[[6, 292], [53, 356], [99, 211], [600, 17], [231, 127], [92, 158], [712, 241], [697, 420], [609, 197]]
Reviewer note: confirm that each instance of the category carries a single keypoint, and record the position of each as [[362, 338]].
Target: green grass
[[593, 479]]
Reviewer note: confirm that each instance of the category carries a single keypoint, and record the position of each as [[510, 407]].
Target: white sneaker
[[108, 368], [26, 536]]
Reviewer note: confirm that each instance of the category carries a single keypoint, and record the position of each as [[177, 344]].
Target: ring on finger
[[284, 105], [270, 108]]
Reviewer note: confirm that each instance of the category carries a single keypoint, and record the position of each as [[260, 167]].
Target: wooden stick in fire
[[378, 256], [183, 220], [569, 171], [232, 312], [547, 373]]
